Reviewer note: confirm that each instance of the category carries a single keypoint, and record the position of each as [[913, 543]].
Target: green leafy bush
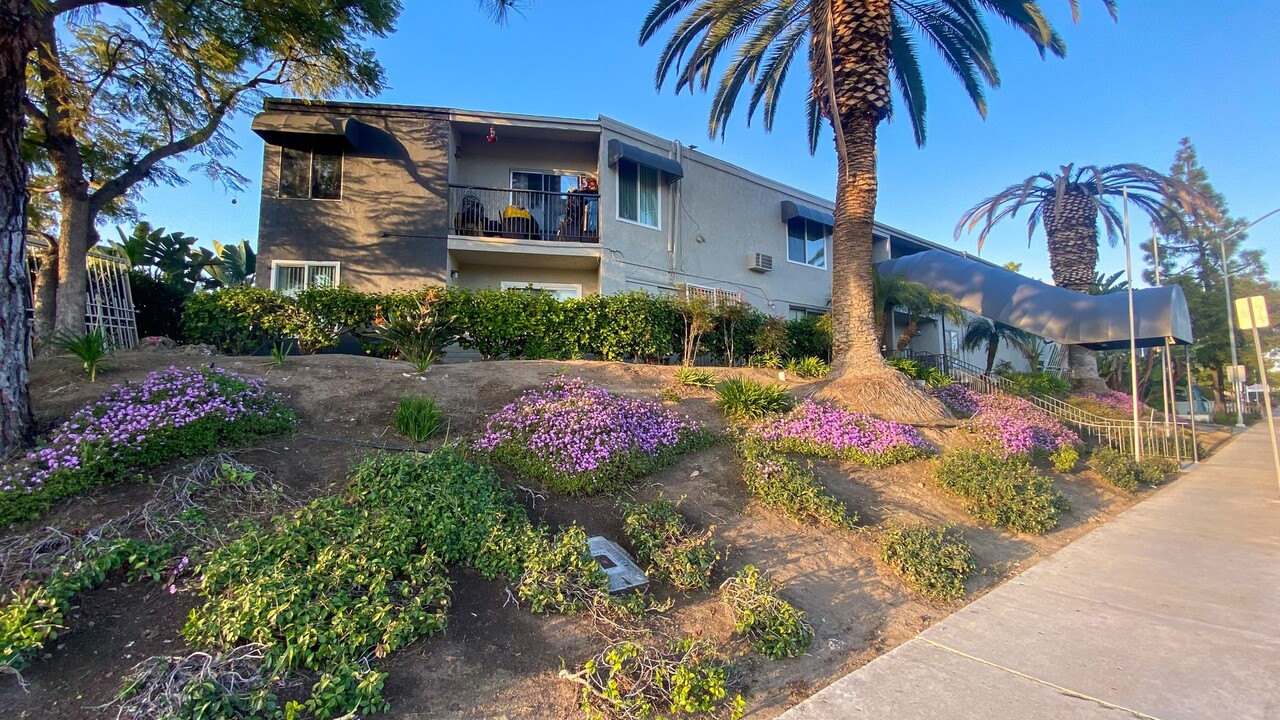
[[771, 339], [906, 366], [32, 614], [696, 377], [810, 337], [782, 484], [742, 399], [1064, 458], [420, 331], [1128, 474], [1038, 383], [935, 378], [933, 561], [1007, 492], [157, 305], [679, 679], [418, 418], [560, 575], [773, 626], [809, 367], [672, 550]]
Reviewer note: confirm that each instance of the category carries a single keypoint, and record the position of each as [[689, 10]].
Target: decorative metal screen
[[109, 303]]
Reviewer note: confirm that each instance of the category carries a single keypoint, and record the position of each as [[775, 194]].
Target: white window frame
[[337, 269], [311, 162], [519, 285], [826, 245], [618, 197]]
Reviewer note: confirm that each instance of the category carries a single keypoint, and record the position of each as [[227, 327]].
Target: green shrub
[[1128, 474], [33, 613], [768, 360], [1038, 383], [1064, 459], [670, 548], [1007, 492], [682, 678], [772, 339], [157, 305], [810, 337], [239, 320], [695, 377], [418, 418], [560, 575], [782, 484], [933, 561], [935, 378], [773, 626], [809, 367], [906, 366], [748, 400], [419, 332]]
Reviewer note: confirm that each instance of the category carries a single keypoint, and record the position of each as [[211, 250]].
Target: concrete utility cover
[[623, 572]]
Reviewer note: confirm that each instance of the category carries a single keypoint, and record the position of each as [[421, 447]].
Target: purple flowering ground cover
[[581, 439], [171, 414], [1012, 425], [825, 430]]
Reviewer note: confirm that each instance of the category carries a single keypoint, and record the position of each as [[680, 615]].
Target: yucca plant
[[418, 418], [747, 400], [694, 377], [92, 349], [280, 354]]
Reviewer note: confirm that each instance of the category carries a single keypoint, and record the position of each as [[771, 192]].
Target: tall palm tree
[[916, 299], [1070, 204], [984, 332], [854, 48]]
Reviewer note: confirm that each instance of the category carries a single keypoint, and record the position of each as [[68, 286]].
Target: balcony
[[572, 217]]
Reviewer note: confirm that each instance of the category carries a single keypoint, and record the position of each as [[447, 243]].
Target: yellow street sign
[[1251, 312]]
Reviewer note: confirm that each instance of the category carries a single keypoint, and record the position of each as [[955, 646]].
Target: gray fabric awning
[[1098, 322], [284, 128], [796, 210], [619, 150]]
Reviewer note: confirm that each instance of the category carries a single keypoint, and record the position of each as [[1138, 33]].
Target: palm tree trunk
[[1071, 227], [993, 348], [859, 65], [15, 403], [907, 333]]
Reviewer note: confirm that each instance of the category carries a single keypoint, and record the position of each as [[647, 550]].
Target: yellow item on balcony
[[516, 212]]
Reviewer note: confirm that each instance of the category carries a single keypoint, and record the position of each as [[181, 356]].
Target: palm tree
[[986, 332], [1070, 204], [854, 48], [917, 299]]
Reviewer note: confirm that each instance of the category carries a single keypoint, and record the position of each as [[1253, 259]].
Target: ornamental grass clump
[[784, 485], [773, 626], [814, 428], [672, 549], [696, 377], [741, 399], [171, 414], [1007, 492], [934, 561], [418, 418], [580, 439]]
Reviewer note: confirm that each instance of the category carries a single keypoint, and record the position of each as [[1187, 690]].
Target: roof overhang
[[292, 128], [1097, 322], [619, 150], [792, 210]]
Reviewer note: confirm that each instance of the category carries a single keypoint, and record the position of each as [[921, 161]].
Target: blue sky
[[1125, 93]]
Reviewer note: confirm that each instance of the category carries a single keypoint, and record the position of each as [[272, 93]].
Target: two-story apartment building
[[382, 197]]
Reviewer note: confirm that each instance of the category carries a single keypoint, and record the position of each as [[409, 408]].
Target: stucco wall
[[388, 230], [492, 276]]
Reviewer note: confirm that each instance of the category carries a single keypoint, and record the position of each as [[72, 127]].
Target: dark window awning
[[619, 150], [292, 128], [796, 210], [1098, 322]]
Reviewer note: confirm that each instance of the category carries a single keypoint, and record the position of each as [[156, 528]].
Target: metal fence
[[109, 301], [525, 214]]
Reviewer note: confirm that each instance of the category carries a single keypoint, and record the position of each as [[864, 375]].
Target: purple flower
[[818, 428]]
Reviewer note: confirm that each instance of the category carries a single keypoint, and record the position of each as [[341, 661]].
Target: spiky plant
[[856, 50]]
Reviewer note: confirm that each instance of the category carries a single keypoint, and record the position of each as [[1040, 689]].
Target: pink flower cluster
[[822, 429], [578, 427], [1121, 402], [122, 420], [1013, 425]]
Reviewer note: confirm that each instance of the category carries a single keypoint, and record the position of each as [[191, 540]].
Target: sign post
[[1251, 313]]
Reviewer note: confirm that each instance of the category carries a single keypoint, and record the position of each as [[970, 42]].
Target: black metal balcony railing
[[524, 214]]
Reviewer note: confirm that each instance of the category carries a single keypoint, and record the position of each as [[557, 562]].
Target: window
[[807, 242], [313, 172], [799, 312], [561, 291], [638, 194], [292, 277]]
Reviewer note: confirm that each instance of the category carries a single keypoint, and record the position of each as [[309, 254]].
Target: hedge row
[[499, 324]]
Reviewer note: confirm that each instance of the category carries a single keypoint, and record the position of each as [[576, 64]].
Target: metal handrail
[[514, 213]]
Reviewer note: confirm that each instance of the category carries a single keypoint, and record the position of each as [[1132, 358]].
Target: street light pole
[[1231, 324]]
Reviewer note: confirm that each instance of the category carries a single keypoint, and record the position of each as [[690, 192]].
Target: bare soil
[[498, 660]]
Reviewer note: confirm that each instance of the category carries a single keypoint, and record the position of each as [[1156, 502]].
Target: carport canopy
[[1097, 322]]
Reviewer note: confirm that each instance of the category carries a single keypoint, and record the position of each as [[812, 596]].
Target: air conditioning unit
[[759, 262]]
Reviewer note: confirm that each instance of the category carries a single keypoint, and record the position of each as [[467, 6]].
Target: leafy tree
[[984, 332], [1070, 204], [917, 300], [235, 265], [1191, 251], [856, 50]]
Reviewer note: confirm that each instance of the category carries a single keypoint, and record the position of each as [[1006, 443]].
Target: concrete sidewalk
[[1170, 611]]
